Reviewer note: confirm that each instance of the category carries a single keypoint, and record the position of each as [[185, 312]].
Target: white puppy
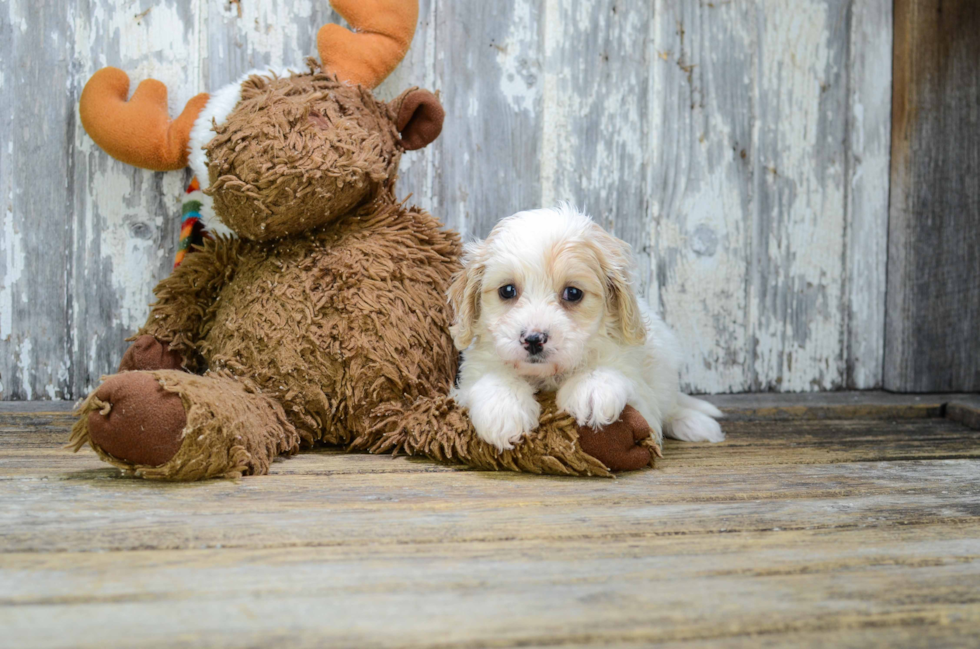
[[547, 302]]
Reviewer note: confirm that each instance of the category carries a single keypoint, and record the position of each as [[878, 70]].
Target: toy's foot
[[617, 445], [140, 422], [148, 353]]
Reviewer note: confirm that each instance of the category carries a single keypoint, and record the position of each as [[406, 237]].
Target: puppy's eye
[[572, 294], [508, 292]]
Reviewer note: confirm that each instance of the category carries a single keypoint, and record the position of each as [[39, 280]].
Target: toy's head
[[281, 152]]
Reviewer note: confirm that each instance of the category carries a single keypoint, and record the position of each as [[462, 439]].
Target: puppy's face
[[541, 287]]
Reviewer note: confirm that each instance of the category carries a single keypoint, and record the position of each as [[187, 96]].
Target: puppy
[[547, 302]]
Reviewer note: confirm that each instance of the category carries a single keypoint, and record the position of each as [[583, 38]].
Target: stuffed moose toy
[[317, 311]]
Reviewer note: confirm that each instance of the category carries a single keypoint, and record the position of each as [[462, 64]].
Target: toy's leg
[[439, 429], [173, 425]]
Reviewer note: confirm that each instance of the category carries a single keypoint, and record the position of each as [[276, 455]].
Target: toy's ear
[[419, 117]]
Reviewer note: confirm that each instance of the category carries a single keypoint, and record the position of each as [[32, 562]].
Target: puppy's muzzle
[[534, 342]]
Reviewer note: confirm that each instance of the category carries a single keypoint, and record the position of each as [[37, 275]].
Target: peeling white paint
[[799, 329], [518, 58], [553, 118], [12, 247], [125, 227], [653, 137], [25, 365], [15, 14]]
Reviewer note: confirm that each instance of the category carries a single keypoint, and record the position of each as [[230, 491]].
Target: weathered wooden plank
[[418, 69], [512, 592], [412, 621], [244, 36], [58, 578], [701, 147], [762, 443], [641, 114], [32, 447], [126, 220], [965, 410], [831, 405], [596, 116], [911, 632], [869, 78], [934, 226], [488, 65], [808, 405], [36, 124], [28, 407], [366, 508], [747, 190], [796, 299], [717, 548]]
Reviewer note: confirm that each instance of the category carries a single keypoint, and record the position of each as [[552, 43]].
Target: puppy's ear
[[464, 296], [616, 259]]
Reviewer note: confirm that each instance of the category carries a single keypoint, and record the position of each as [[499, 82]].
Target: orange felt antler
[[139, 131], [383, 33]]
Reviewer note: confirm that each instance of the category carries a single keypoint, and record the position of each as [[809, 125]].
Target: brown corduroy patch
[[148, 353], [622, 444], [138, 420]]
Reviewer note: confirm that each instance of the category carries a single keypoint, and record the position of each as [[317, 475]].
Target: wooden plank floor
[[801, 529]]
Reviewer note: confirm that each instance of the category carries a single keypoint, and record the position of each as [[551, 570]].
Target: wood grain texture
[[703, 67], [934, 226], [740, 148], [36, 211], [750, 142], [867, 158], [965, 410], [796, 297], [597, 114], [511, 594], [126, 220], [489, 64], [760, 477], [761, 541]]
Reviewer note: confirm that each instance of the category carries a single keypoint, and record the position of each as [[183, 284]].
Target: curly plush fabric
[[274, 173], [325, 321], [231, 429]]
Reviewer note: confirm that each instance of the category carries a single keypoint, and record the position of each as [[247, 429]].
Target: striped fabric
[[192, 232]]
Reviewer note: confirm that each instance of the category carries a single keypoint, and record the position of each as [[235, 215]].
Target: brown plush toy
[[318, 313]]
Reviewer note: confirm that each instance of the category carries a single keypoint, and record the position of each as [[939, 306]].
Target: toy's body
[[333, 324], [323, 317]]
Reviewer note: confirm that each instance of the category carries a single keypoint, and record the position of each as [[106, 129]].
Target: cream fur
[[605, 351]]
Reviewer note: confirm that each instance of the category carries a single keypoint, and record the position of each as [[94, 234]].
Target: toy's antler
[[139, 131], [383, 33]]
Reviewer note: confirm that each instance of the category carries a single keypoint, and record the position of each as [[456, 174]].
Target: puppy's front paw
[[595, 399], [502, 417]]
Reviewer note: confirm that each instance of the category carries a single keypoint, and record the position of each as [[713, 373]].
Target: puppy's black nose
[[534, 342]]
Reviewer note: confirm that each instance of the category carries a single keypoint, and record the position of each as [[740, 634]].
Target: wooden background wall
[[741, 146]]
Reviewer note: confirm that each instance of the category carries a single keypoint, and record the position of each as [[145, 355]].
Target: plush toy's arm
[[186, 299], [440, 429]]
